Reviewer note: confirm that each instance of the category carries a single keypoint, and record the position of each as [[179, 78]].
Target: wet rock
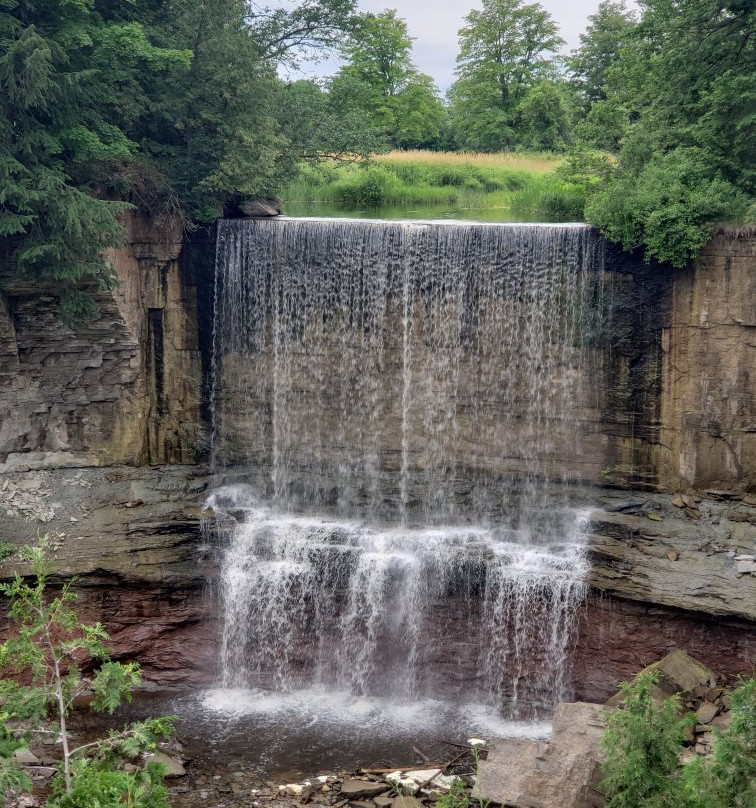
[[26, 757], [353, 789]]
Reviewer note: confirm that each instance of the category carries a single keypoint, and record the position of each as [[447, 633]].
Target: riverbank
[[504, 187]]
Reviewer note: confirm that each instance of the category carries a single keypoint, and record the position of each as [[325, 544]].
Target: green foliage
[[587, 168], [679, 109], [46, 655], [167, 106], [668, 207], [643, 744], [608, 31], [730, 780], [380, 80], [461, 184], [456, 797], [504, 51], [543, 118], [63, 67], [321, 125]]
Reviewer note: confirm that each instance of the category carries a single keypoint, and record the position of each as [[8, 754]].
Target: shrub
[[669, 206], [371, 187], [46, 655], [644, 741]]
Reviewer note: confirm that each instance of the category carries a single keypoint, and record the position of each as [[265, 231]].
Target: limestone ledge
[[105, 525], [652, 551], [143, 525]]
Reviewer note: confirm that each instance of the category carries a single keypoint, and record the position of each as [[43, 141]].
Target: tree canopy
[[381, 80], [505, 48], [167, 106], [681, 106], [180, 107]]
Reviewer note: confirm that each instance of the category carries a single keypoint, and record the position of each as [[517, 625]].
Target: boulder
[[563, 773], [706, 713], [26, 757], [173, 767], [678, 673], [354, 789], [260, 208]]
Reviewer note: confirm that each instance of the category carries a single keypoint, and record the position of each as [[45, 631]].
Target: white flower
[[476, 742]]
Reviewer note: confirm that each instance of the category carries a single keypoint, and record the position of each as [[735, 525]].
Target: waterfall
[[403, 401]]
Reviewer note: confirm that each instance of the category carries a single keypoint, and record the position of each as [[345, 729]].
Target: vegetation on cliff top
[[179, 108]]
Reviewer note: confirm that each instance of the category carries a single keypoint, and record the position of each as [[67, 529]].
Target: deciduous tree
[[505, 48]]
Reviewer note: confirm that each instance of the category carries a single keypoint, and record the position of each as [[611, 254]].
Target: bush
[[669, 206], [46, 655], [372, 186], [644, 741]]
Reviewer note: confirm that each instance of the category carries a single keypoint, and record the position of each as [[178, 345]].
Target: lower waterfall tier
[[311, 601]]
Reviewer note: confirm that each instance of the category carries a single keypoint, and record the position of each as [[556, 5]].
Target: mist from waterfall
[[401, 401]]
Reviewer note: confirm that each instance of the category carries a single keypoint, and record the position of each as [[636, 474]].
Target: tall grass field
[[503, 186]]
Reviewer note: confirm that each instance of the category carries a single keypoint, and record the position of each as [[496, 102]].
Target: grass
[[520, 186], [539, 163]]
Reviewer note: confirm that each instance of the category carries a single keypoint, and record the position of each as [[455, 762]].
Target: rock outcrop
[[125, 388], [95, 420], [654, 551], [133, 540]]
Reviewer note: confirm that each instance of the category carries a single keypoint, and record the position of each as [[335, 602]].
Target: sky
[[434, 25]]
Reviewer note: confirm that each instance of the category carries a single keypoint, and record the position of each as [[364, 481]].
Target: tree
[[682, 96], [543, 117], [161, 106], [212, 132], [607, 33], [380, 79], [320, 125], [311, 27], [504, 51], [65, 77], [47, 656]]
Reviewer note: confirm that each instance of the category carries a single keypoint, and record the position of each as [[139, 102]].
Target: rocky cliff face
[[125, 388], [102, 430]]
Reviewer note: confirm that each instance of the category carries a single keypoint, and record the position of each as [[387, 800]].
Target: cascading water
[[403, 399]]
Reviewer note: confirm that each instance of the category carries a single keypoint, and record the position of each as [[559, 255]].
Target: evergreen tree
[[68, 78]]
